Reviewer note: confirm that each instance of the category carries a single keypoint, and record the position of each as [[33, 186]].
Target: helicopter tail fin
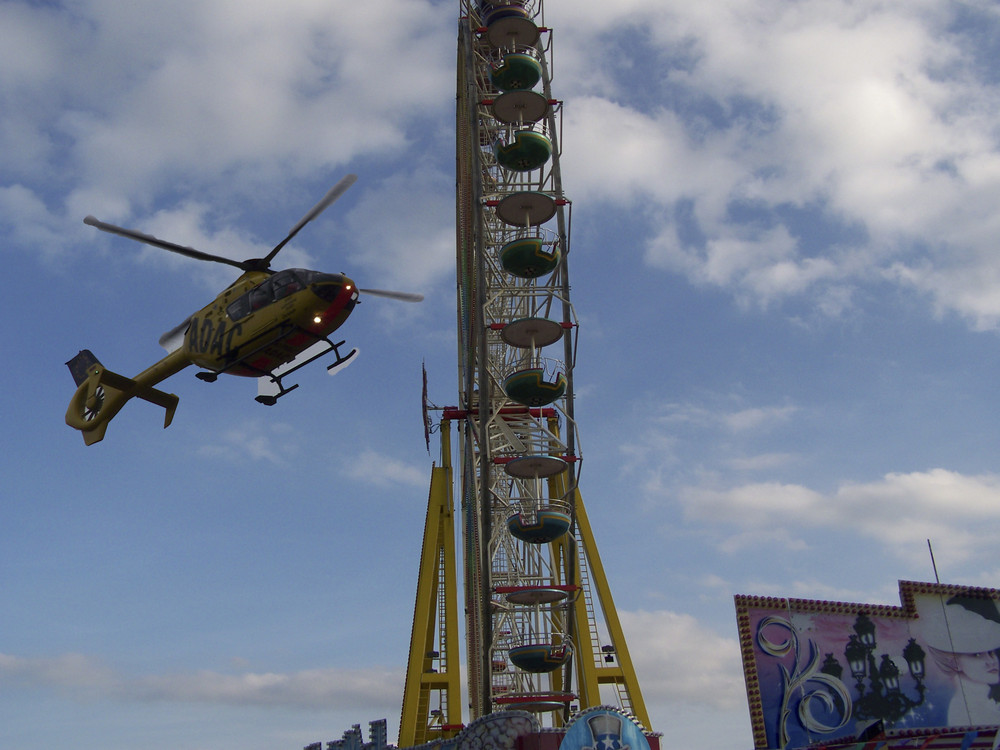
[[101, 393]]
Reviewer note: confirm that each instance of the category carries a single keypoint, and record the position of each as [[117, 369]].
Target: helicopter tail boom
[[101, 393]]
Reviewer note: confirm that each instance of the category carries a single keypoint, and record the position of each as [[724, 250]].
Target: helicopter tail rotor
[[101, 394]]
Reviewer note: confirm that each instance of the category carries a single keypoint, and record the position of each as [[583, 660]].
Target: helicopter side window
[[285, 283], [276, 287], [239, 308], [260, 296]]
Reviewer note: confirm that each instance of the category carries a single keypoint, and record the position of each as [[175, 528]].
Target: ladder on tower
[[588, 598], [595, 599], [602, 654]]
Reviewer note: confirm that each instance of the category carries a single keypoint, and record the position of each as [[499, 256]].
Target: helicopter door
[[260, 319], [249, 313]]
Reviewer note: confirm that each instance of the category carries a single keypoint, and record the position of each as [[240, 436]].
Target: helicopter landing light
[[317, 319]]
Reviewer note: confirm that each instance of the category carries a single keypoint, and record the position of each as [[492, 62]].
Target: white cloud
[[761, 462], [877, 121], [973, 287], [757, 417], [961, 514], [762, 503], [679, 660], [753, 540], [747, 419], [627, 154], [29, 222], [65, 672], [317, 689], [255, 441], [401, 232], [816, 589], [86, 677], [250, 87], [133, 103], [380, 470]]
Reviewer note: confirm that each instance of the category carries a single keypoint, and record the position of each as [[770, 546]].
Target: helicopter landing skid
[[270, 387]]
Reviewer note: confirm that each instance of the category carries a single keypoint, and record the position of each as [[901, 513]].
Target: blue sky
[[784, 265]]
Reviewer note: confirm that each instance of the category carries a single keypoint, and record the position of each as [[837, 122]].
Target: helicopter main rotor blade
[[401, 296], [335, 192], [149, 239]]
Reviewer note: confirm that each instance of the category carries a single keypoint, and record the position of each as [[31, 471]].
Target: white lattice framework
[[506, 429]]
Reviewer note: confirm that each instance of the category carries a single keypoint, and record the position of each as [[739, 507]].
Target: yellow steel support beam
[[582, 567], [623, 676], [433, 665]]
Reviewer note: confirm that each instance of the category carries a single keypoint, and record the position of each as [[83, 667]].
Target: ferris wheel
[[541, 631]]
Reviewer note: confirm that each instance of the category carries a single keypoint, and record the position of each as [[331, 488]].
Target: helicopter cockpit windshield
[[281, 284], [276, 287]]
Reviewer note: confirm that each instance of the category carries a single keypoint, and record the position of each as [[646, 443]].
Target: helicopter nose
[[328, 286], [333, 286], [349, 286]]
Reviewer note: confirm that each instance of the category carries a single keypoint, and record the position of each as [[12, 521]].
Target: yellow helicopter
[[266, 324]]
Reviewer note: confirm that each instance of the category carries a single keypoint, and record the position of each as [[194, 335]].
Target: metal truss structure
[[542, 633]]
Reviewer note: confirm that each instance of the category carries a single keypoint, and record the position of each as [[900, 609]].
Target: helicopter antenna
[[335, 192]]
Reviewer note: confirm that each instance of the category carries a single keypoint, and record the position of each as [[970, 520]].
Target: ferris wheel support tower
[[541, 630]]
